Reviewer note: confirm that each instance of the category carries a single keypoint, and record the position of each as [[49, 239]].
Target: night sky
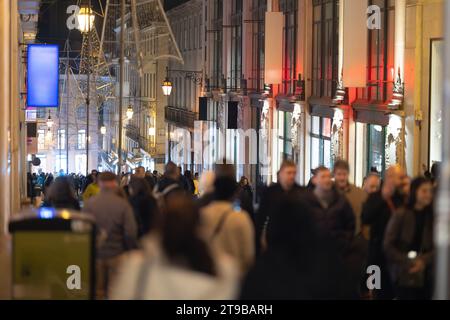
[[173, 3]]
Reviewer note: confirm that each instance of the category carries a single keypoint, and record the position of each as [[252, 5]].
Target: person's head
[[243, 182], [94, 173], [436, 170], [140, 172], [155, 173], [181, 242], [225, 170], [394, 180], [341, 171], [188, 174], [371, 183], [225, 188], [323, 181], [172, 171], [421, 193], [287, 174], [107, 181], [196, 176], [61, 193], [138, 186]]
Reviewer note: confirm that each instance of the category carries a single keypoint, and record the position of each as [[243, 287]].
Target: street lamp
[[86, 19], [130, 112], [167, 87], [103, 130], [167, 84], [49, 121]]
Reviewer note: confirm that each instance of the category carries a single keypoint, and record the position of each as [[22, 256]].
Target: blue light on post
[[43, 76]]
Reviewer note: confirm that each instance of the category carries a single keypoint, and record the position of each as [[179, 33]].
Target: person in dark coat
[[271, 200], [245, 187], [376, 213], [332, 211], [170, 182], [144, 205], [189, 182], [61, 195], [299, 264], [150, 180], [408, 244]]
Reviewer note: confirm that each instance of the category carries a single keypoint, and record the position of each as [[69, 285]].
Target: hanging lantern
[[86, 19], [167, 84], [130, 112], [103, 130], [167, 87], [49, 121]]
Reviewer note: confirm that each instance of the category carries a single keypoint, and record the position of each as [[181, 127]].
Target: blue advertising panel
[[43, 76]]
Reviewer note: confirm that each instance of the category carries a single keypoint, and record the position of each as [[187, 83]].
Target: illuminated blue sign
[[46, 213], [43, 76]]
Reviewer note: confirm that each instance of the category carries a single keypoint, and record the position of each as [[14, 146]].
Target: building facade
[[317, 111]]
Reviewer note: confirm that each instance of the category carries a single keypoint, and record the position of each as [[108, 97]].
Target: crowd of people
[[184, 236]]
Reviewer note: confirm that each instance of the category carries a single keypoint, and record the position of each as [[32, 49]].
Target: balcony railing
[[180, 117], [145, 143]]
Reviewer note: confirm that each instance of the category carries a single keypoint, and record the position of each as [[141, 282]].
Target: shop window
[[236, 44], [376, 137], [320, 142], [290, 9], [436, 103], [258, 49], [325, 47]]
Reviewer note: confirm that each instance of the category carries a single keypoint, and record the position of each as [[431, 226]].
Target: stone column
[[5, 102]]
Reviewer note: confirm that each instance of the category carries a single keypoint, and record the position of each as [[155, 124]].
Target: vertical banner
[[355, 43], [43, 76], [274, 48]]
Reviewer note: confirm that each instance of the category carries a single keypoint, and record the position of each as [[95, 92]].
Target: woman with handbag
[[408, 244]]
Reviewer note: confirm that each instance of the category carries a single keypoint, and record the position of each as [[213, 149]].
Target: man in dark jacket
[[271, 199], [376, 213], [170, 182], [332, 211], [299, 263]]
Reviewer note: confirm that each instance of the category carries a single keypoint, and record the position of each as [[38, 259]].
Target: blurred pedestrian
[[124, 181], [150, 180], [226, 226], [144, 205], [245, 187], [206, 188], [196, 190], [332, 211], [354, 195], [408, 244], [298, 264], [92, 189], [61, 195], [377, 212], [271, 199], [140, 172], [190, 187], [115, 219], [170, 182], [371, 183], [176, 263]]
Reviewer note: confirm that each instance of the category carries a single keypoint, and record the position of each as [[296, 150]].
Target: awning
[[371, 112]]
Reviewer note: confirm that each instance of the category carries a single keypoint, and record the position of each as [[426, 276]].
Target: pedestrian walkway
[[5, 266]]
